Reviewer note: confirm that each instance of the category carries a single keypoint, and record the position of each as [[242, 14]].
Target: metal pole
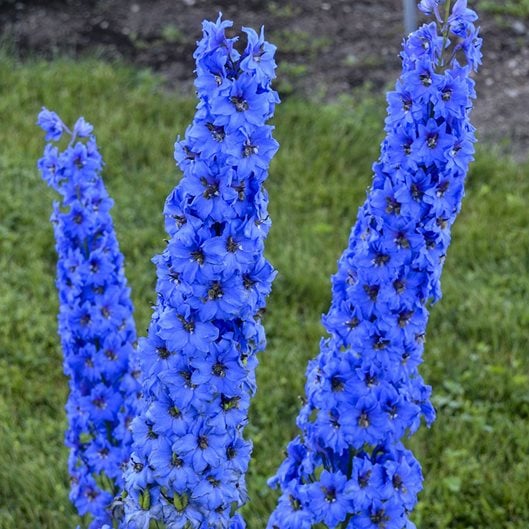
[[410, 16]]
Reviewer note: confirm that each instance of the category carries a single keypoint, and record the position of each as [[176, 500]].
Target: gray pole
[[410, 16]]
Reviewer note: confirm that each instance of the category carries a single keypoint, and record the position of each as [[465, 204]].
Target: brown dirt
[[325, 48]]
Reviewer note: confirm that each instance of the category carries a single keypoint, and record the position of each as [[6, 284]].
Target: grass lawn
[[475, 457], [518, 8]]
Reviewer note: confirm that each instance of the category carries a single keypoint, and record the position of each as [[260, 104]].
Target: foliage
[[519, 8], [475, 457]]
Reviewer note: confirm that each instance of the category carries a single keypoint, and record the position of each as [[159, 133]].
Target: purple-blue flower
[[199, 357], [364, 392], [51, 124], [96, 325]]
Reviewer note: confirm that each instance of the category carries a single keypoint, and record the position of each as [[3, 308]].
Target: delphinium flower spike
[[348, 467], [198, 361], [96, 325]]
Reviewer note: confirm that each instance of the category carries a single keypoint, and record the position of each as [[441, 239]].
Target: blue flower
[[330, 499], [95, 321], [259, 56], [199, 357], [51, 123], [82, 128], [364, 391]]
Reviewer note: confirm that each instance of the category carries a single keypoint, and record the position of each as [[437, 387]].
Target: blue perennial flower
[[198, 361], [96, 325], [348, 467]]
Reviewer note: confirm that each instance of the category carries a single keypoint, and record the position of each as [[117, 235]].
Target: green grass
[[475, 457], [518, 8]]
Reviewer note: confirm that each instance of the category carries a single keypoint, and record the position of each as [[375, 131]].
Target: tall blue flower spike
[[198, 361], [96, 325], [348, 467]]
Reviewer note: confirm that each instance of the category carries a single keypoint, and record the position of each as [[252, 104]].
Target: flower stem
[[445, 32]]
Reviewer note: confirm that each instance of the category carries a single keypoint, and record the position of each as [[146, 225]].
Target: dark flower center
[[370, 380], [416, 192], [174, 412], [402, 241], [163, 352], [371, 291], [176, 461], [232, 245], [217, 132], [425, 79], [219, 369], [240, 104], [381, 259], [249, 149], [240, 191], [330, 494], [247, 282], [337, 383], [363, 420], [380, 343], [296, 504], [229, 403], [404, 318], [111, 355], [431, 141], [352, 323], [215, 291], [398, 484], [180, 220], [442, 188], [189, 326], [212, 190], [380, 518], [198, 256], [392, 206], [363, 480], [213, 481], [151, 434]]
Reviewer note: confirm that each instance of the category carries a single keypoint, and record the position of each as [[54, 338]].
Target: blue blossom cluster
[[96, 325], [190, 458], [348, 467]]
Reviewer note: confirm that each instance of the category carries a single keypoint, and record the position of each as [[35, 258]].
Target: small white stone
[[519, 27]]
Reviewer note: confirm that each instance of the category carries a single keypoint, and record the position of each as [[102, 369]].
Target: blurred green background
[[475, 457]]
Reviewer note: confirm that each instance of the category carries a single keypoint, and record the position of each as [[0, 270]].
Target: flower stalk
[[348, 467], [198, 361], [96, 324]]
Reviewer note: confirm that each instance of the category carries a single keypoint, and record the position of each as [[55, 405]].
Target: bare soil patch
[[325, 48]]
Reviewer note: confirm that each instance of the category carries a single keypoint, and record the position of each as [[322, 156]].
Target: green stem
[[345, 523], [445, 32]]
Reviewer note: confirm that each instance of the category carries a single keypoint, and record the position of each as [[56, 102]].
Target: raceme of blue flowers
[[198, 361], [96, 326], [348, 467]]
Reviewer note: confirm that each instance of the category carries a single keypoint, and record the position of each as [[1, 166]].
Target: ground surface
[[326, 48]]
